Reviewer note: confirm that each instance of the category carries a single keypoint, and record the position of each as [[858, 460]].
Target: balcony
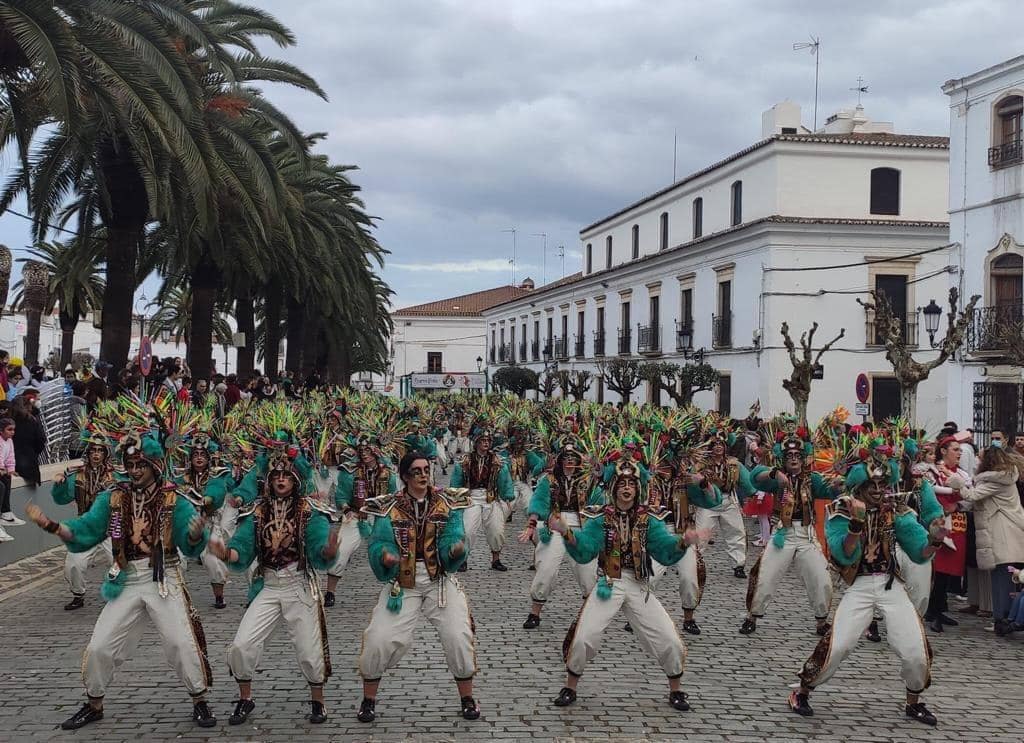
[[991, 327], [505, 354], [579, 346], [1005, 155], [625, 342], [598, 343], [535, 350], [492, 354], [561, 348], [648, 339], [548, 349], [721, 331], [909, 331], [684, 335], [522, 351]]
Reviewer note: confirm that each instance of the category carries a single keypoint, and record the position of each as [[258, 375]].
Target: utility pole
[[513, 261]]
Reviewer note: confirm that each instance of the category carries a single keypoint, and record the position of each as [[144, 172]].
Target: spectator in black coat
[[29, 441]]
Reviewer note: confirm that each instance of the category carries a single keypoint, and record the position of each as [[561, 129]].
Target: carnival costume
[[486, 475], [732, 480]]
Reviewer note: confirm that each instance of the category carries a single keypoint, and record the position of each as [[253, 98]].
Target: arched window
[[1007, 276], [737, 203], [698, 217], [664, 231], [590, 258], [1007, 130], [636, 241], [885, 191]]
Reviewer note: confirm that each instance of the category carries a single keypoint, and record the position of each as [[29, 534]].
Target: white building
[[986, 215], [792, 228], [441, 345]]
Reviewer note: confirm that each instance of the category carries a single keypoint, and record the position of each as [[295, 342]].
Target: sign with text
[[450, 381], [862, 408]]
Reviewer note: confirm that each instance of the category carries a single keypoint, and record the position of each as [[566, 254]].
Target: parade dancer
[[149, 520], [732, 480], [864, 530], [288, 536], [565, 492], [523, 466], [486, 476], [82, 485], [365, 473], [418, 541], [794, 542], [624, 536]]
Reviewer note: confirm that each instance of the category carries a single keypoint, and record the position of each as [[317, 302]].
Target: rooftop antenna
[[561, 254], [513, 259], [544, 267], [861, 89], [815, 46], [675, 149]]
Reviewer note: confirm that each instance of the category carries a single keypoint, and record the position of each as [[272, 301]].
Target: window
[[698, 217], [608, 252], [655, 311], [885, 191], [434, 365], [590, 258], [536, 330], [894, 287], [737, 203], [885, 398], [579, 324], [551, 325], [725, 394], [722, 325], [600, 319], [636, 241], [1007, 137], [625, 316], [664, 231], [512, 341], [565, 326], [686, 307]]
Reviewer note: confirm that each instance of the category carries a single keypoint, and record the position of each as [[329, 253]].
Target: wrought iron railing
[[684, 330], [648, 339], [599, 343], [625, 342], [522, 351], [579, 346], [1007, 154], [721, 331], [991, 329], [561, 348], [909, 331], [535, 349]]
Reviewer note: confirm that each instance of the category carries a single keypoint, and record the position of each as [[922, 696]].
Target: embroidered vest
[[90, 482]]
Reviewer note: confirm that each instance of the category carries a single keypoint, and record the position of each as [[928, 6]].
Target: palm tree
[[73, 285], [174, 316]]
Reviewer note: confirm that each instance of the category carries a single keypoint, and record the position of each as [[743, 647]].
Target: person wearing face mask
[[289, 537], [795, 541], [865, 530], [417, 543], [625, 537], [148, 520], [82, 485]]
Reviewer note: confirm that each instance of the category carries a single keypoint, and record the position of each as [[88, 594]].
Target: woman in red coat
[[950, 560]]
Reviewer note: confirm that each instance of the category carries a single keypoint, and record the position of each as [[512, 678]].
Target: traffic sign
[[862, 408], [145, 356], [863, 387]]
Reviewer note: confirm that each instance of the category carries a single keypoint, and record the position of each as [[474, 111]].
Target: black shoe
[[748, 627], [328, 599], [82, 717], [920, 713], [219, 603], [1003, 627], [317, 712], [202, 715], [532, 567], [243, 708], [936, 625], [872, 634], [367, 710], [946, 620], [497, 565], [532, 622], [565, 697], [463, 568], [76, 603], [800, 704], [691, 627], [823, 629], [628, 628], [739, 572], [470, 709], [677, 700]]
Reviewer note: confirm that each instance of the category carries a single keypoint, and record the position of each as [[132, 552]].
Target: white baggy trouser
[[120, 625], [726, 518], [652, 627], [853, 615], [389, 634], [76, 563], [692, 575], [351, 540], [490, 516], [224, 524], [548, 559], [917, 580], [285, 597], [801, 550], [524, 494]]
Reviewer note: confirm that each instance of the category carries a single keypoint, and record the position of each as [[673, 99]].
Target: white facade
[[806, 205], [459, 341], [986, 208]]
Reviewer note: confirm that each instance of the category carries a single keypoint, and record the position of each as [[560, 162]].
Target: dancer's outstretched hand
[[526, 535]]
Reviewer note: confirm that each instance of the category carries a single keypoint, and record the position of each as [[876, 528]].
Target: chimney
[[527, 284], [782, 118]]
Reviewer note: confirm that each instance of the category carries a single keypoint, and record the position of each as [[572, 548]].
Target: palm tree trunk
[[68, 323], [272, 329], [293, 353], [246, 320], [311, 342], [339, 364], [125, 220], [205, 281], [33, 318]]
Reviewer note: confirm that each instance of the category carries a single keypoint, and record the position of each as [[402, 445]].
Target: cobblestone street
[[737, 685]]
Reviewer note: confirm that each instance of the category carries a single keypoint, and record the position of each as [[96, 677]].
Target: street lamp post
[[932, 315]]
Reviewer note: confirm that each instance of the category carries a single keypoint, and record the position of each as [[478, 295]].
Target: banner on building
[[450, 381]]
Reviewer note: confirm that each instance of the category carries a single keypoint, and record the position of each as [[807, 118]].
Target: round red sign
[[863, 387], [146, 356]]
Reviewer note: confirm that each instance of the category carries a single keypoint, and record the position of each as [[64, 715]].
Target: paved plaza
[[737, 685]]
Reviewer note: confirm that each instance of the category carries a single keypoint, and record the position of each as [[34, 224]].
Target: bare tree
[[681, 383], [908, 371], [799, 383], [1007, 336], [548, 383], [575, 383], [622, 376]]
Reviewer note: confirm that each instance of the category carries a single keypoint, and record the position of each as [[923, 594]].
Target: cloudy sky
[[468, 118]]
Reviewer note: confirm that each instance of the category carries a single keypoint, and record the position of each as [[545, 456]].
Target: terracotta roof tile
[[464, 305]]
